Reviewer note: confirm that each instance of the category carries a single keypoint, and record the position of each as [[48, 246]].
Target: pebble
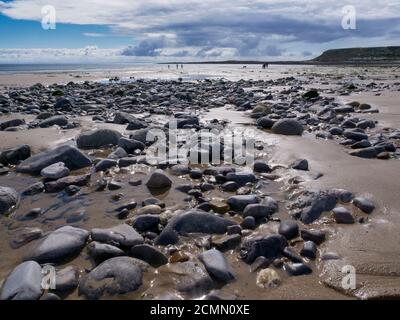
[[98, 138], [55, 171], [149, 254], [60, 244], [289, 229], [117, 275], [268, 278], [122, 235], [217, 265], [9, 200], [342, 215], [23, 283], [297, 269], [158, 180], [364, 204], [309, 250]]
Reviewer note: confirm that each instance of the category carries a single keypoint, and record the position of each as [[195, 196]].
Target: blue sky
[[160, 30]]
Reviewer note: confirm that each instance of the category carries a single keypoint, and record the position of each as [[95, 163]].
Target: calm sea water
[[19, 68]]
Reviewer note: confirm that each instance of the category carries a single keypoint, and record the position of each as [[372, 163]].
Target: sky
[[190, 30]]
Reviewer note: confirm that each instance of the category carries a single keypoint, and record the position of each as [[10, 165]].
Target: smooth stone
[[309, 250], [158, 180], [62, 183], [67, 278], [71, 156], [180, 170], [54, 120], [241, 178], [105, 164], [239, 202], [114, 276], [317, 236], [269, 246], [97, 138], [291, 255], [230, 186], [15, 155], [131, 145], [124, 118], [192, 221], [149, 209], [297, 269], [265, 123], [55, 171], [11, 123], [259, 263], [354, 135], [288, 127], [23, 283], [60, 244], [146, 222], [179, 123], [136, 125], [149, 254], [315, 203], [216, 265], [140, 135], [103, 251], [9, 200], [64, 104], [121, 235], [34, 189], [289, 229], [118, 153], [361, 144], [261, 166], [235, 229], [367, 153], [265, 209], [336, 131], [300, 164], [248, 223], [343, 215], [364, 204]]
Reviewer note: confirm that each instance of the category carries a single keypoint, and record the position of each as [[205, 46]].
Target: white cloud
[[50, 55], [94, 34]]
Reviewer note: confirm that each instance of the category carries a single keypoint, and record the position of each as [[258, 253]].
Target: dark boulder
[[71, 156]]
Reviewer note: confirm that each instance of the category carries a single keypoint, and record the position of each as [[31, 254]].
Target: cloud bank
[[224, 29]]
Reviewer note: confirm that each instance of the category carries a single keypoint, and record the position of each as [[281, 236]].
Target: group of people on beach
[[177, 66]]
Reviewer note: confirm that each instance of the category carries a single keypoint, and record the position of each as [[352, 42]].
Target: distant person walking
[[168, 66], [177, 66], [181, 66]]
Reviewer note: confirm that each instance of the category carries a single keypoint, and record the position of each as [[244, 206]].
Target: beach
[[321, 194]]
